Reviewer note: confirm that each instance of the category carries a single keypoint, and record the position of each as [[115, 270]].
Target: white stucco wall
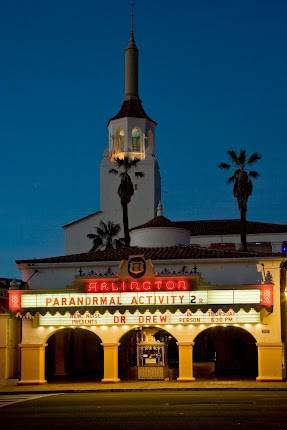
[[141, 209], [159, 237], [75, 234], [216, 271]]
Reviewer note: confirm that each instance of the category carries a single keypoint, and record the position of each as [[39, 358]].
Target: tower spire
[[132, 105], [131, 64], [132, 19]]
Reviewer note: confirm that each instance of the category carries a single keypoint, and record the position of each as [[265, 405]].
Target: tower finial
[[132, 19], [159, 211]]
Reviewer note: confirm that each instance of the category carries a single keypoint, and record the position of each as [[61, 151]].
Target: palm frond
[[114, 171], [91, 235], [130, 162], [104, 237], [119, 161], [224, 165], [139, 174], [242, 157], [253, 174], [233, 156], [135, 161], [253, 158], [101, 232], [231, 179]]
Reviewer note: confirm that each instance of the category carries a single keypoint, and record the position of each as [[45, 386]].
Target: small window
[[120, 140], [136, 140]]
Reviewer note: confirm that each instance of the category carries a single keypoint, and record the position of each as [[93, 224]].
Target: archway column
[[111, 362], [185, 357], [32, 364], [270, 361]]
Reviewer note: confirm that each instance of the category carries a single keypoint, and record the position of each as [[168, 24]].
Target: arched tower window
[[120, 140], [136, 140]]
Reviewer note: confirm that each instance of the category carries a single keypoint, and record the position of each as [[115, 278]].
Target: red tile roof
[[132, 108], [158, 221], [215, 227], [230, 226], [166, 253]]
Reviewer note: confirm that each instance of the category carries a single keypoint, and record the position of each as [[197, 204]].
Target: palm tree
[[243, 186], [105, 236], [126, 188]]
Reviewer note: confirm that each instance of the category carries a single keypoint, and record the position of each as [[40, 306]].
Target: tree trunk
[[126, 224], [243, 229]]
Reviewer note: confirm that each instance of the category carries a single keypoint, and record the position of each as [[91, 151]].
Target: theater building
[[151, 313], [181, 303]]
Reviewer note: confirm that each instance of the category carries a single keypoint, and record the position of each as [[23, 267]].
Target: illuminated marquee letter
[[266, 295], [146, 286], [15, 301], [182, 285], [170, 285]]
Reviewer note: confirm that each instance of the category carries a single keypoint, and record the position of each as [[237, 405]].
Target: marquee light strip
[[189, 317], [141, 299], [19, 300]]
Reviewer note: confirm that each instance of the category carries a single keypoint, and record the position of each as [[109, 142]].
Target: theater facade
[[175, 313], [162, 309]]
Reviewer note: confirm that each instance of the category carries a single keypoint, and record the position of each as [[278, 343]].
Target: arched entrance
[[225, 352], [162, 343], [74, 353]]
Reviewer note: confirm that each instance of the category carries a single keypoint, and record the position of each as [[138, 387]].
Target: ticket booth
[[151, 357]]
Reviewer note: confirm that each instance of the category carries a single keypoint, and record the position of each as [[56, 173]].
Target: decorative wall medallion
[[136, 267]]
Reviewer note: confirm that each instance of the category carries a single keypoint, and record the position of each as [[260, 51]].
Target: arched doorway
[[74, 353], [128, 352], [225, 352]]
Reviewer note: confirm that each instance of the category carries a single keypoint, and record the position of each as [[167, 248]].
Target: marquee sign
[[21, 300], [115, 285], [95, 318]]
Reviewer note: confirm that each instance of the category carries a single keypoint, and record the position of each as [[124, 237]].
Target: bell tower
[[131, 132]]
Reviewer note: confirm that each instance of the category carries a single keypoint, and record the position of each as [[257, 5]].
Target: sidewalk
[[71, 387]]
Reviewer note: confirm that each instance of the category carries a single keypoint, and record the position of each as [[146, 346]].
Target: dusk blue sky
[[212, 74]]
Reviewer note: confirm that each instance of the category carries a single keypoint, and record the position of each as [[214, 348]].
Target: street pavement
[[150, 410], [8, 399]]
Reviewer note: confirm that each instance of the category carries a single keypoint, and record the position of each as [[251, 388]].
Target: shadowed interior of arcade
[[226, 353], [74, 354], [148, 353]]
